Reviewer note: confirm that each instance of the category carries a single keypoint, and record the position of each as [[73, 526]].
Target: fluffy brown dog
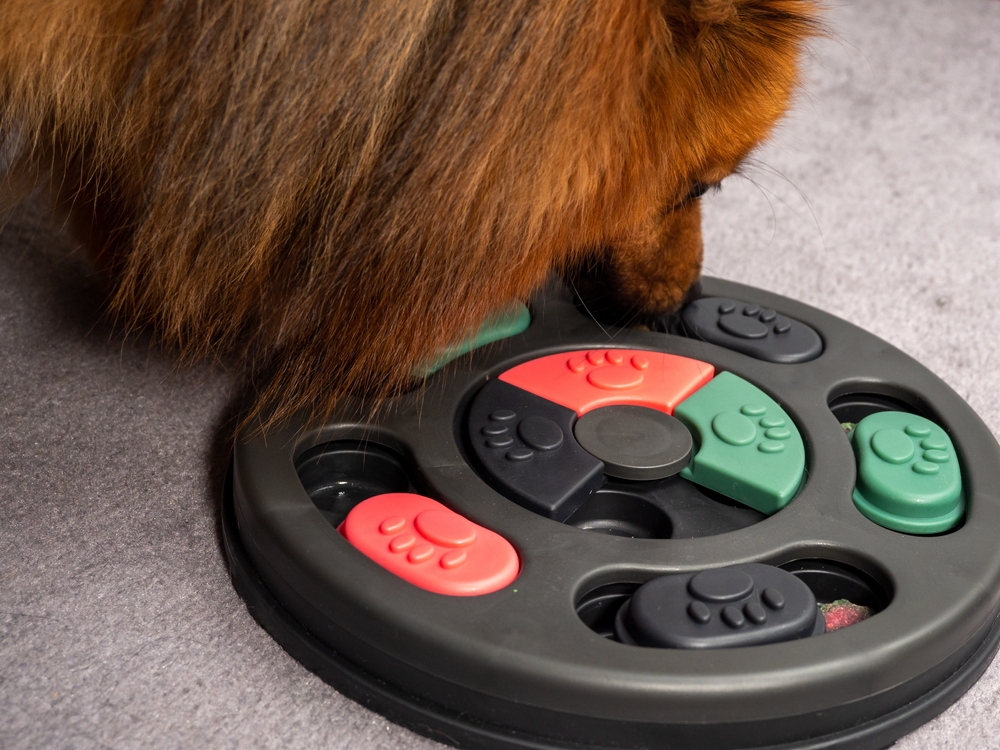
[[337, 188]]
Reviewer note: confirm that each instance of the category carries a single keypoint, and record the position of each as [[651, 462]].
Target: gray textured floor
[[879, 200]]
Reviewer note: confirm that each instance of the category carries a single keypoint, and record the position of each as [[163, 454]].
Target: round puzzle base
[[458, 730], [368, 546]]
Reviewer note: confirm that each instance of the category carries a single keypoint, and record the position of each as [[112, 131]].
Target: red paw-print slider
[[432, 547], [586, 380]]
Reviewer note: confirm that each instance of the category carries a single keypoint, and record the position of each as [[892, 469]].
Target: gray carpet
[[878, 200]]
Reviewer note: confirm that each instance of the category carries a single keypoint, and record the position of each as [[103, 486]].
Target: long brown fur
[[335, 189]]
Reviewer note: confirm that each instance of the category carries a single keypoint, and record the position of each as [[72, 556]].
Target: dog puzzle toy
[[754, 526]]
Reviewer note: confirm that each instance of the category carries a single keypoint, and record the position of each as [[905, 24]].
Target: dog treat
[[842, 613]]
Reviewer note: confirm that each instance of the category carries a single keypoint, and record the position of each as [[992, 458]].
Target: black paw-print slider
[[739, 605], [746, 327], [526, 445]]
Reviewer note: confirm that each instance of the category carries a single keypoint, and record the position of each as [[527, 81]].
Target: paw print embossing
[[586, 380], [908, 477], [748, 448], [432, 547]]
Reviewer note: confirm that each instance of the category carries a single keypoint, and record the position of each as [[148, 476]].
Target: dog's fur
[[337, 188]]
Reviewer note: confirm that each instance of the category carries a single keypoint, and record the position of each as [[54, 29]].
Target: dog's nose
[[693, 293]]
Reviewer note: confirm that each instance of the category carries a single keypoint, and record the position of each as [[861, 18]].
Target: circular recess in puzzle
[[635, 442], [502, 559], [671, 508], [341, 474], [619, 512]]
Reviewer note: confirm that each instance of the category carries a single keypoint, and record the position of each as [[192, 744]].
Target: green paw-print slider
[[512, 320], [908, 474], [747, 447]]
